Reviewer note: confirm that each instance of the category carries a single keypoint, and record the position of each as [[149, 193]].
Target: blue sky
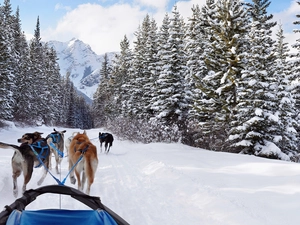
[[279, 5], [107, 21]]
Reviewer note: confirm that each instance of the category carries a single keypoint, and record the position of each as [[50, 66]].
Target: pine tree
[[69, 101], [170, 106], [38, 87], [256, 128], [54, 87], [225, 27], [83, 117], [162, 52], [202, 108], [295, 65], [7, 62], [119, 81], [139, 75], [103, 94], [197, 69], [150, 72], [287, 141], [22, 82], [194, 52]]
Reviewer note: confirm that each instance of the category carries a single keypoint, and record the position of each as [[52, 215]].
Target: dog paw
[[73, 180], [15, 192], [23, 189]]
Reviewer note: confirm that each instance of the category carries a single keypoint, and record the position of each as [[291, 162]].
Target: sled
[[99, 214]]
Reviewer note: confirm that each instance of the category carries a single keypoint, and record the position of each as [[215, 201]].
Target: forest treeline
[[218, 80], [32, 91]]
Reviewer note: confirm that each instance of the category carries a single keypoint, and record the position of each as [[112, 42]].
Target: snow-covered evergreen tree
[[257, 120], [288, 139], [22, 81], [295, 65], [202, 104], [195, 45], [194, 52], [162, 52], [38, 88], [151, 71], [69, 101], [140, 75], [103, 95], [120, 95], [54, 86], [225, 27], [7, 62], [170, 105]]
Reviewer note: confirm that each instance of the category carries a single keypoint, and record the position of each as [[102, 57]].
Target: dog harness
[[55, 139], [44, 153], [80, 158], [102, 136], [81, 150]]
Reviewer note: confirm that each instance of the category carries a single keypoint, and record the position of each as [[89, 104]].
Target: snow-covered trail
[[150, 186], [174, 184]]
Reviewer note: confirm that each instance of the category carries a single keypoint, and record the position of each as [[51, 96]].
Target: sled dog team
[[35, 151]]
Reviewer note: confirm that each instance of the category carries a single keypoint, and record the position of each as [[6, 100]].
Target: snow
[[74, 56], [163, 183], [271, 149]]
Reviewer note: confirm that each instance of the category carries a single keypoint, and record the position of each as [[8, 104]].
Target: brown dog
[[82, 156], [32, 151]]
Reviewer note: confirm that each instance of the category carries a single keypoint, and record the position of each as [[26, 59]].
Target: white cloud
[[102, 28], [59, 6], [157, 4], [28, 36], [184, 7]]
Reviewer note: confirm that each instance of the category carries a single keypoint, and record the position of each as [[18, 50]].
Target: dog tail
[[91, 165], [9, 146]]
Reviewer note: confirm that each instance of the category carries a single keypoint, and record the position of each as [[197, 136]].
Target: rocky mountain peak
[[84, 65]]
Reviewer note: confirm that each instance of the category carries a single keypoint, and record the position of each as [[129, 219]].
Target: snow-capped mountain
[[83, 64]]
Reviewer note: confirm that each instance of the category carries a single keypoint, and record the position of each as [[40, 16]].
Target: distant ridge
[[82, 63]]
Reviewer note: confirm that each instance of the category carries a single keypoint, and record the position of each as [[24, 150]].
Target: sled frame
[[30, 195]]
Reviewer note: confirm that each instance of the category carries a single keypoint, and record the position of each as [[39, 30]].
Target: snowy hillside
[[173, 184], [78, 59]]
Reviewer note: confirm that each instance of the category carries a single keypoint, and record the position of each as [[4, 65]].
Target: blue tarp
[[60, 217]]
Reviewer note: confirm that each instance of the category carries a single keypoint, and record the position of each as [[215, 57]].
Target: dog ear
[[37, 134]]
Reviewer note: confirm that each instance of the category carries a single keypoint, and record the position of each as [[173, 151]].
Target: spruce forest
[[32, 90], [219, 80]]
